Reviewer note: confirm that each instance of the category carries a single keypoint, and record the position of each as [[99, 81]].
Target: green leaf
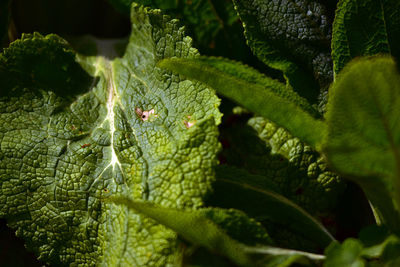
[[380, 246], [293, 168], [308, 177], [276, 207], [237, 225], [365, 27], [373, 234], [379, 249], [280, 257], [70, 137], [205, 233], [208, 232], [355, 253], [255, 92], [286, 260], [363, 131], [347, 254], [292, 36], [237, 176], [299, 175]]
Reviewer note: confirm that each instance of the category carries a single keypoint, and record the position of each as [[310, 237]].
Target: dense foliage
[[115, 150]]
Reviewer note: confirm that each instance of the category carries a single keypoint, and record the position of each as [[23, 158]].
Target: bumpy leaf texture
[[208, 233], [300, 176], [202, 228], [292, 36], [307, 175], [69, 138], [365, 27], [297, 170]]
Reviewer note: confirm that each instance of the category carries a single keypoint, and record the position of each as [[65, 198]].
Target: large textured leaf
[[294, 176], [292, 36], [365, 27], [308, 177], [300, 176], [363, 131], [69, 138], [212, 228], [254, 91]]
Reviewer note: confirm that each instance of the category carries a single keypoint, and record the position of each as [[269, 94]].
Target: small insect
[[189, 123], [144, 115], [85, 145]]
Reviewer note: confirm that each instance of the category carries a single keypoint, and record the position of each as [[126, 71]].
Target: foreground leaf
[[68, 138], [365, 27], [193, 226], [292, 36], [344, 255], [255, 92], [363, 132], [201, 229], [353, 252]]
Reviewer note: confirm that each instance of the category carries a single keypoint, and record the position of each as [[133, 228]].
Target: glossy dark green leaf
[[365, 27]]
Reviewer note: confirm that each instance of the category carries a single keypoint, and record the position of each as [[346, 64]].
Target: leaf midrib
[[385, 25]]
